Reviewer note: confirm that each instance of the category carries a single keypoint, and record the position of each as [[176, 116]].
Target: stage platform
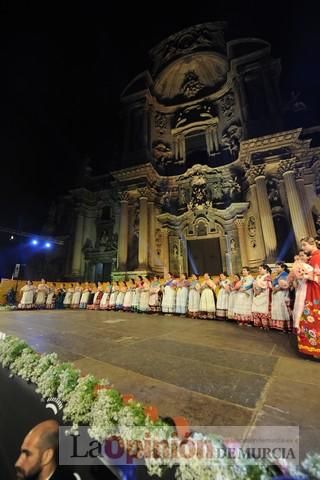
[[213, 373]]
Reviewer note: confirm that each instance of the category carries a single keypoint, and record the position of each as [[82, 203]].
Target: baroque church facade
[[208, 179]]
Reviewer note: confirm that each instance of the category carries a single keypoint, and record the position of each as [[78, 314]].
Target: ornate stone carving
[[231, 138], [191, 85], [195, 113], [158, 241], [239, 222], [233, 245], [253, 172], [199, 196], [103, 241], [224, 189], [162, 153], [286, 166], [143, 192], [201, 229], [161, 120], [123, 196], [199, 37], [252, 231], [227, 104]]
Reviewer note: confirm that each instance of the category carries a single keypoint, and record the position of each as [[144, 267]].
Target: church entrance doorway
[[204, 256]]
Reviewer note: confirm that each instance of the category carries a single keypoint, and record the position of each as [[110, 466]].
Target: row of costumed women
[[260, 301]]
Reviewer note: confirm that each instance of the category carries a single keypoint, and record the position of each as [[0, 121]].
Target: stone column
[[77, 246], [269, 233], [296, 209], [240, 224], [165, 250], [143, 230], [151, 245], [305, 204], [123, 232]]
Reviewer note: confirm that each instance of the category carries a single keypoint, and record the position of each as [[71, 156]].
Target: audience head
[[38, 452]]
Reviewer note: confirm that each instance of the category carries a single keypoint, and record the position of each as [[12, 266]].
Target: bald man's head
[[38, 451]]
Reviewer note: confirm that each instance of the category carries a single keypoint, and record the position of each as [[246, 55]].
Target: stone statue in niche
[[233, 245], [88, 245], [104, 238], [114, 241]]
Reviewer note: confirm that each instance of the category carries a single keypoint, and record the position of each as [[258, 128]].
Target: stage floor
[[213, 373]]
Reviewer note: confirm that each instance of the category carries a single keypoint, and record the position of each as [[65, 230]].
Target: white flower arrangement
[[68, 382], [49, 381], [105, 414], [80, 402], [25, 364], [45, 362], [10, 349], [95, 403]]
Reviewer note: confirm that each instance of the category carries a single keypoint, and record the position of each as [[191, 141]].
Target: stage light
[[34, 242], [11, 237], [47, 244]]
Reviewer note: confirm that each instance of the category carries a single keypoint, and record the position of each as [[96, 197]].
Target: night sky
[[60, 91]]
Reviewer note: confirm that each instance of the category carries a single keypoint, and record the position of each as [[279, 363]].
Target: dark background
[[59, 96]]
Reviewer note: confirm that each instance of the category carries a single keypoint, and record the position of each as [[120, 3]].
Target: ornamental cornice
[[269, 142]]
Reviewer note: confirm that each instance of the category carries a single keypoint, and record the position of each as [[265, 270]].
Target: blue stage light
[[47, 244], [34, 242]]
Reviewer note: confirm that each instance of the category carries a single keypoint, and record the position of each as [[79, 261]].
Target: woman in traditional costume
[[27, 299], [194, 297], [169, 295], [68, 296], [280, 316], [75, 302], [242, 310], [207, 305], [234, 289], [182, 294], [223, 297], [154, 303], [309, 325], [42, 292], [51, 298], [261, 302]]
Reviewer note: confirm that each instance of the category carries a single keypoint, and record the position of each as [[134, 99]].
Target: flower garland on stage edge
[[96, 403]]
